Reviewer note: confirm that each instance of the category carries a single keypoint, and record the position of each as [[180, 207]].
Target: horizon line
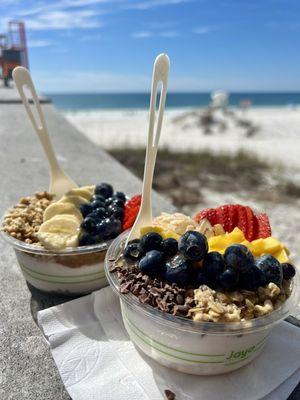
[[174, 92]]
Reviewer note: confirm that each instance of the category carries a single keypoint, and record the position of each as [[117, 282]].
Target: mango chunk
[[269, 245], [236, 236], [218, 243], [170, 234], [281, 256], [257, 247]]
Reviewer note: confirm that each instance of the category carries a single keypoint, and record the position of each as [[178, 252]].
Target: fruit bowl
[[58, 244], [71, 272], [198, 348]]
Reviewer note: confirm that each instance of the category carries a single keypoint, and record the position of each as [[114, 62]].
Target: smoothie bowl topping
[[221, 266], [60, 244], [84, 216]]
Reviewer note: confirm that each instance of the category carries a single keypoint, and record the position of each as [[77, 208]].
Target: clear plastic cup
[[73, 271], [198, 348]]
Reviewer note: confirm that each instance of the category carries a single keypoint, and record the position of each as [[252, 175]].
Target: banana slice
[[59, 232], [81, 192], [207, 229], [62, 208], [76, 200], [90, 188]]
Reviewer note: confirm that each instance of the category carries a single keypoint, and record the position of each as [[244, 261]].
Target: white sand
[[277, 138]]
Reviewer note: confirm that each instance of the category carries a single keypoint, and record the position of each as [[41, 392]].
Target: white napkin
[[96, 360]]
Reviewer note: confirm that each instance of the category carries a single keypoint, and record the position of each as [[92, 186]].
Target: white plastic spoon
[[60, 183], [160, 74]]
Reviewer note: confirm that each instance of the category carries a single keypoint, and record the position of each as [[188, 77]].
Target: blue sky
[[110, 45]]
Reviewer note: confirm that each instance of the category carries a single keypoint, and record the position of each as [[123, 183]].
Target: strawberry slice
[[222, 216], [242, 218], [232, 217], [131, 211], [210, 214], [237, 215], [255, 228], [250, 224], [264, 228]]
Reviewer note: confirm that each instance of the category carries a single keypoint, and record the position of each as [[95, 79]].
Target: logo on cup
[[241, 354]]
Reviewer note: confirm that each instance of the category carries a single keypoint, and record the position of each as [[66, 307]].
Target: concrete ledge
[[10, 95]]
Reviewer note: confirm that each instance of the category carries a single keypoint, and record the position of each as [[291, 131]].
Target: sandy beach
[[271, 133]]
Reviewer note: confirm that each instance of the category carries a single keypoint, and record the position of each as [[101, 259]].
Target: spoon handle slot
[[160, 74], [23, 79]]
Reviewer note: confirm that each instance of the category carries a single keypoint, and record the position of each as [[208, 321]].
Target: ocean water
[[115, 101]]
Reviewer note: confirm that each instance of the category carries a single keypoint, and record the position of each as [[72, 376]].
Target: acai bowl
[[60, 244], [194, 316]]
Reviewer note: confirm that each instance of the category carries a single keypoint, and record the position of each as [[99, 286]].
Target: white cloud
[[203, 30], [142, 34], [61, 5], [169, 34], [73, 14], [147, 4], [39, 43], [147, 34], [63, 20]]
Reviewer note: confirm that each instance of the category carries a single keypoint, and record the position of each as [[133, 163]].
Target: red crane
[[13, 50]]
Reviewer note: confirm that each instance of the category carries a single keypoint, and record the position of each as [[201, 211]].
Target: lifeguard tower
[[13, 50]]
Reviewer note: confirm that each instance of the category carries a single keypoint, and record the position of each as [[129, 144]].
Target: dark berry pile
[[102, 216], [188, 263]]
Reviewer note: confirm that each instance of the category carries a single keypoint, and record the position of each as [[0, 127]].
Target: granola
[[217, 306], [24, 219]]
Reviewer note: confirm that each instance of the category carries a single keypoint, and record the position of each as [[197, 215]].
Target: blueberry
[[105, 228], [169, 247], [99, 214], [151, 241], [98, 197], [87, 239], [104, 189], [228, 280], [271, 267], [193, 245], [239, 257], [288, 271], [115, 211], [114, 200], [177, 270], [121, 196], [97, 204], [200, 278], [152, 263], [133, 251], [253, 279], [89, 224], [85, 209], [213, 265]]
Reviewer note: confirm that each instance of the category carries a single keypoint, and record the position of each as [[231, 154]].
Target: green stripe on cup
[[84, 278], [149, 341], [172, 348], [164, 349], [259, 345]]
